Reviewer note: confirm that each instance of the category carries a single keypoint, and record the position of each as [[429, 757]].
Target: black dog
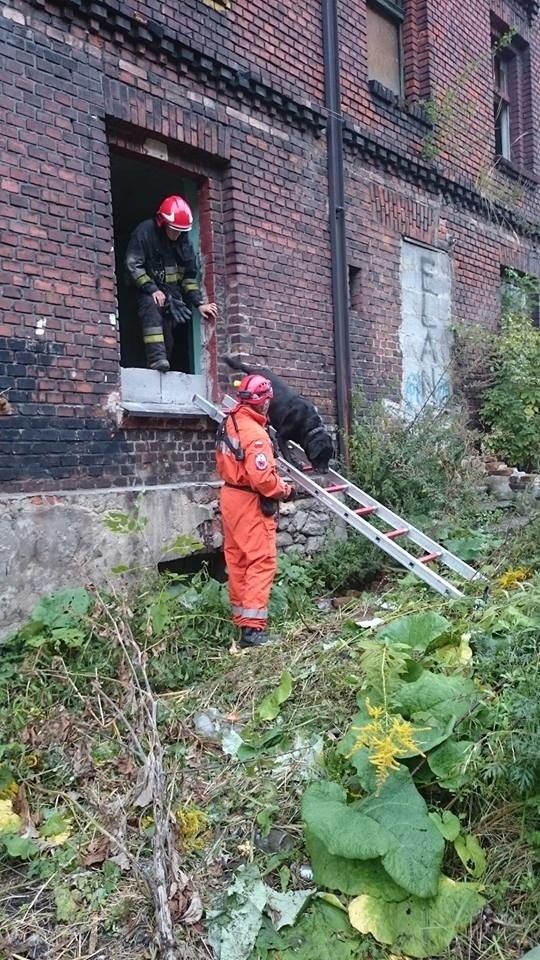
[[293, 418]]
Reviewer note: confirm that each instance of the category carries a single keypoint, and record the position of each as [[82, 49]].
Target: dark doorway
[[138, 186], [213, 562]]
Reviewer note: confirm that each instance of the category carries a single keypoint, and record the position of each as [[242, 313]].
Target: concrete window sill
[[148, 393]]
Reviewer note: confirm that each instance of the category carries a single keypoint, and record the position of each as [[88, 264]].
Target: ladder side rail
[[413, 533], [406, 559], [393, 519]]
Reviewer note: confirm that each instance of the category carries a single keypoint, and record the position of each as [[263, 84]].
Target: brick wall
[[236, 97], [66, 102]]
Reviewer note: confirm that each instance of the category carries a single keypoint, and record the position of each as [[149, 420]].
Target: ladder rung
[[429, 556], [398, 532], [364, 511], [336, 488]]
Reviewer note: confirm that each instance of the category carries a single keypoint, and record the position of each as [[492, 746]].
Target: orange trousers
[[249, 543]]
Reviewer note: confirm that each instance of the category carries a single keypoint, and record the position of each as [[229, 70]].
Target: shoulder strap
[[223, 437]]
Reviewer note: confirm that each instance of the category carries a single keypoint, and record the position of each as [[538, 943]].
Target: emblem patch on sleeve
[[261, 462]]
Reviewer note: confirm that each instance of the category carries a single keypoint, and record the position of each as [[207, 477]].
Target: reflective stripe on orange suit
[[249, 536]]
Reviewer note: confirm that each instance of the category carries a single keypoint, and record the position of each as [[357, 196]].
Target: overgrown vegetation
[[446, 720], [499, 377], [364, 789], [416, 466], [511, 408]]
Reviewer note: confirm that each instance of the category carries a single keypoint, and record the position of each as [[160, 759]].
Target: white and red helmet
[[175, 213], [254, 390]]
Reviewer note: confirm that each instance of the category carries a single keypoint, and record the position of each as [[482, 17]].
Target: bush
[[507, 657], [347, 564], [417, 467], [511, 407]]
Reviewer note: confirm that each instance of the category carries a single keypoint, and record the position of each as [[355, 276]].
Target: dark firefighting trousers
[[156, 330], [250, 555]]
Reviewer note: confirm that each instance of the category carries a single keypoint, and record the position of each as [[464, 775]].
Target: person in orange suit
[[249, 498]]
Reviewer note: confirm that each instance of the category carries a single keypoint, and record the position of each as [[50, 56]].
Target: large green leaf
[[416, 631], [434, 702], [418, 928], [435, 695], [471, 855], [450, 762], [351, 876], [393, 824], [343, 828], [323, 932], [415, 855], [63, 608]]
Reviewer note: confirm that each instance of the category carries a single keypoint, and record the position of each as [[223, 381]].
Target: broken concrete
[[62, 540], [58, 540]]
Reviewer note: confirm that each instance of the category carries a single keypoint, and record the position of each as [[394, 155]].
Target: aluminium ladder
[[368, 507]]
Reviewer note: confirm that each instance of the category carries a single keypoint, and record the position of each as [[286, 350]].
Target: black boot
[[155, 333], [162, 365], [250, 637]]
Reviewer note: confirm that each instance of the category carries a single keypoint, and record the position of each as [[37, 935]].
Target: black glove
[[291, 494], [178, 311]]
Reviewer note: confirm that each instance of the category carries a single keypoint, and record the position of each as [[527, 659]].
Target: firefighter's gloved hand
[[178, 311], [291, 494]]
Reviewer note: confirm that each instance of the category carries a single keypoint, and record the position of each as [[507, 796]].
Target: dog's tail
[[235, 364]]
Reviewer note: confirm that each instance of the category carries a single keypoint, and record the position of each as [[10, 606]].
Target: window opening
[[520, 294], [512, 96], [384, 45], [501, 106], [355, 290], [138, 187]]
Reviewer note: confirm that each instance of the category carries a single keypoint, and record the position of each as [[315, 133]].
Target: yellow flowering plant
[[387, 737], [511, 578]]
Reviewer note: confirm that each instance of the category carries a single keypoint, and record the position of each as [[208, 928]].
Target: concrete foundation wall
[[62, 540]]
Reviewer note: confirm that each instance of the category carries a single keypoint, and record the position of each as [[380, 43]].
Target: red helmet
[[175, 213], [254, 389]]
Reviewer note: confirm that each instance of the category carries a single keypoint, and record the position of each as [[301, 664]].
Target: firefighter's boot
[[155, 346], [156, 354], [251, 637]]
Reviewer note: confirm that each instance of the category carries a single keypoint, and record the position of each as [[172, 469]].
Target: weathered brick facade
[[233, 96]]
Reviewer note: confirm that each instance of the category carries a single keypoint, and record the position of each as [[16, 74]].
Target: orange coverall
[[249, 536]]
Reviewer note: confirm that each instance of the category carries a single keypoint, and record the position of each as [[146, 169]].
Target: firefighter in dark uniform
[[160, 262]]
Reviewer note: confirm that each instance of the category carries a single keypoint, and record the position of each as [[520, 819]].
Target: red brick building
[[110, 106]]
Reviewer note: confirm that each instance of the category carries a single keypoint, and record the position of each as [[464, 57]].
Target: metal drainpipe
[[338, 245]]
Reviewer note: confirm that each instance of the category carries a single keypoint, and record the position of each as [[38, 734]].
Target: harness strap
[[223, 437], [313, 431]]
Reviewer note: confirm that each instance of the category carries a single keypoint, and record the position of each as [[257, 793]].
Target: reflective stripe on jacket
[[153, 262]]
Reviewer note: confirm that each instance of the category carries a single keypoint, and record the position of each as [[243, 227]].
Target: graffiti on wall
[[425, 336]]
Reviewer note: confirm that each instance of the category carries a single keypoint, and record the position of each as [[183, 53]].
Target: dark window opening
[[355, 288], [512, 104], [138, 187], [385, 61], [520, 294], [501, 107]]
